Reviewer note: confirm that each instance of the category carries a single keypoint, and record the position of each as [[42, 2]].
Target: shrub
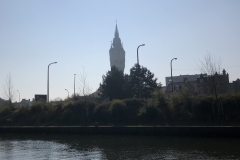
[[162, 103], [181, 105], [150, 114], [118, 111], [22, 116], [101, 113], [159, 99], [90, 106], [74, 113], [5, 113], [230, 103], [202, 107], [133, 106]]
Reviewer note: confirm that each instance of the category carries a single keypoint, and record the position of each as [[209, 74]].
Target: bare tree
[[84, 88], [9, 92], [212, 66]]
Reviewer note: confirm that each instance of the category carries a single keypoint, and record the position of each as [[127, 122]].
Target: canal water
[[47, 146]]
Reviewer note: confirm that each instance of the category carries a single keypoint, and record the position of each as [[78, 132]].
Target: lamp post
[[138, 70], [74, 85], [68, 92], [48, 82], [171, 71], [137, 52], [19, 95]]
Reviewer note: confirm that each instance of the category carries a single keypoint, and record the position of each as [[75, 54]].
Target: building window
[[201, 80], [176, 87]]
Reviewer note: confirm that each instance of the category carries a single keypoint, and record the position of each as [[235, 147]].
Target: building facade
[[117, 53], [181, 78], [200, 84], [234, 86]]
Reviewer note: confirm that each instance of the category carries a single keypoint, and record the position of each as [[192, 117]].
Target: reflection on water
[[30, 147]]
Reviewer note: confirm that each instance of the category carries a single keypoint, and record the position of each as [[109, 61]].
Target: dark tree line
[[116, 85]]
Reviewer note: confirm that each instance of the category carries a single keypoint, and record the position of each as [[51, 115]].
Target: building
[[2, 101], [179, 82], [213, 84], [234, 86], [41, 97], [24, 102], [181, 78], [117, 53], [199, 83]]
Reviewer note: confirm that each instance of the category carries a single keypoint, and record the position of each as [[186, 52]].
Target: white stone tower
[[117, 53]]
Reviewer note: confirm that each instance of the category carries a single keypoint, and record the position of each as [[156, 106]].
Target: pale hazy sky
[[78, 33]]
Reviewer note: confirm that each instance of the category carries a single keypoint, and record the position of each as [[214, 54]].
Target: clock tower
[[117, 53]]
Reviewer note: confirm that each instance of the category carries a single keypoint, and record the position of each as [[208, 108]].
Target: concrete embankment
[[205, 131]]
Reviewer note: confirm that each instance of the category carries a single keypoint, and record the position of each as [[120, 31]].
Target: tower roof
[[116, 40]]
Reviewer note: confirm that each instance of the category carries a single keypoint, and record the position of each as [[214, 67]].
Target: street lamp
[[138, 70], [74, 85], [68, 92], [48, 82], [137, 52], [171, 71], [19, 95]]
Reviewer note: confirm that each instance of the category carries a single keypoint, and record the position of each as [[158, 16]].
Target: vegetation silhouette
[[178, 109]]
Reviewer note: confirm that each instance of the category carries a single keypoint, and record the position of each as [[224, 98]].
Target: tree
[[115, 85], [84, 88], [9, 92], [127, 88], [112, 85], [212, 66], [144, 79]]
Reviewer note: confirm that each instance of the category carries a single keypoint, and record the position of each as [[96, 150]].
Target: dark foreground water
[[29, 147]]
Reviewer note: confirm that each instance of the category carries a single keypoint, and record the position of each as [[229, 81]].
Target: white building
[[182, 78]]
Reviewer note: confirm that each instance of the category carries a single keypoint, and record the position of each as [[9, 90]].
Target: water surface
[[47, 146]]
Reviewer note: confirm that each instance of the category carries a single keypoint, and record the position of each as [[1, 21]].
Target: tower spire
[[116, 31], [117, 53]]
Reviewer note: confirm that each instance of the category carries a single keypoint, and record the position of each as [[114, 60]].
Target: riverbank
[[200, 131]]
